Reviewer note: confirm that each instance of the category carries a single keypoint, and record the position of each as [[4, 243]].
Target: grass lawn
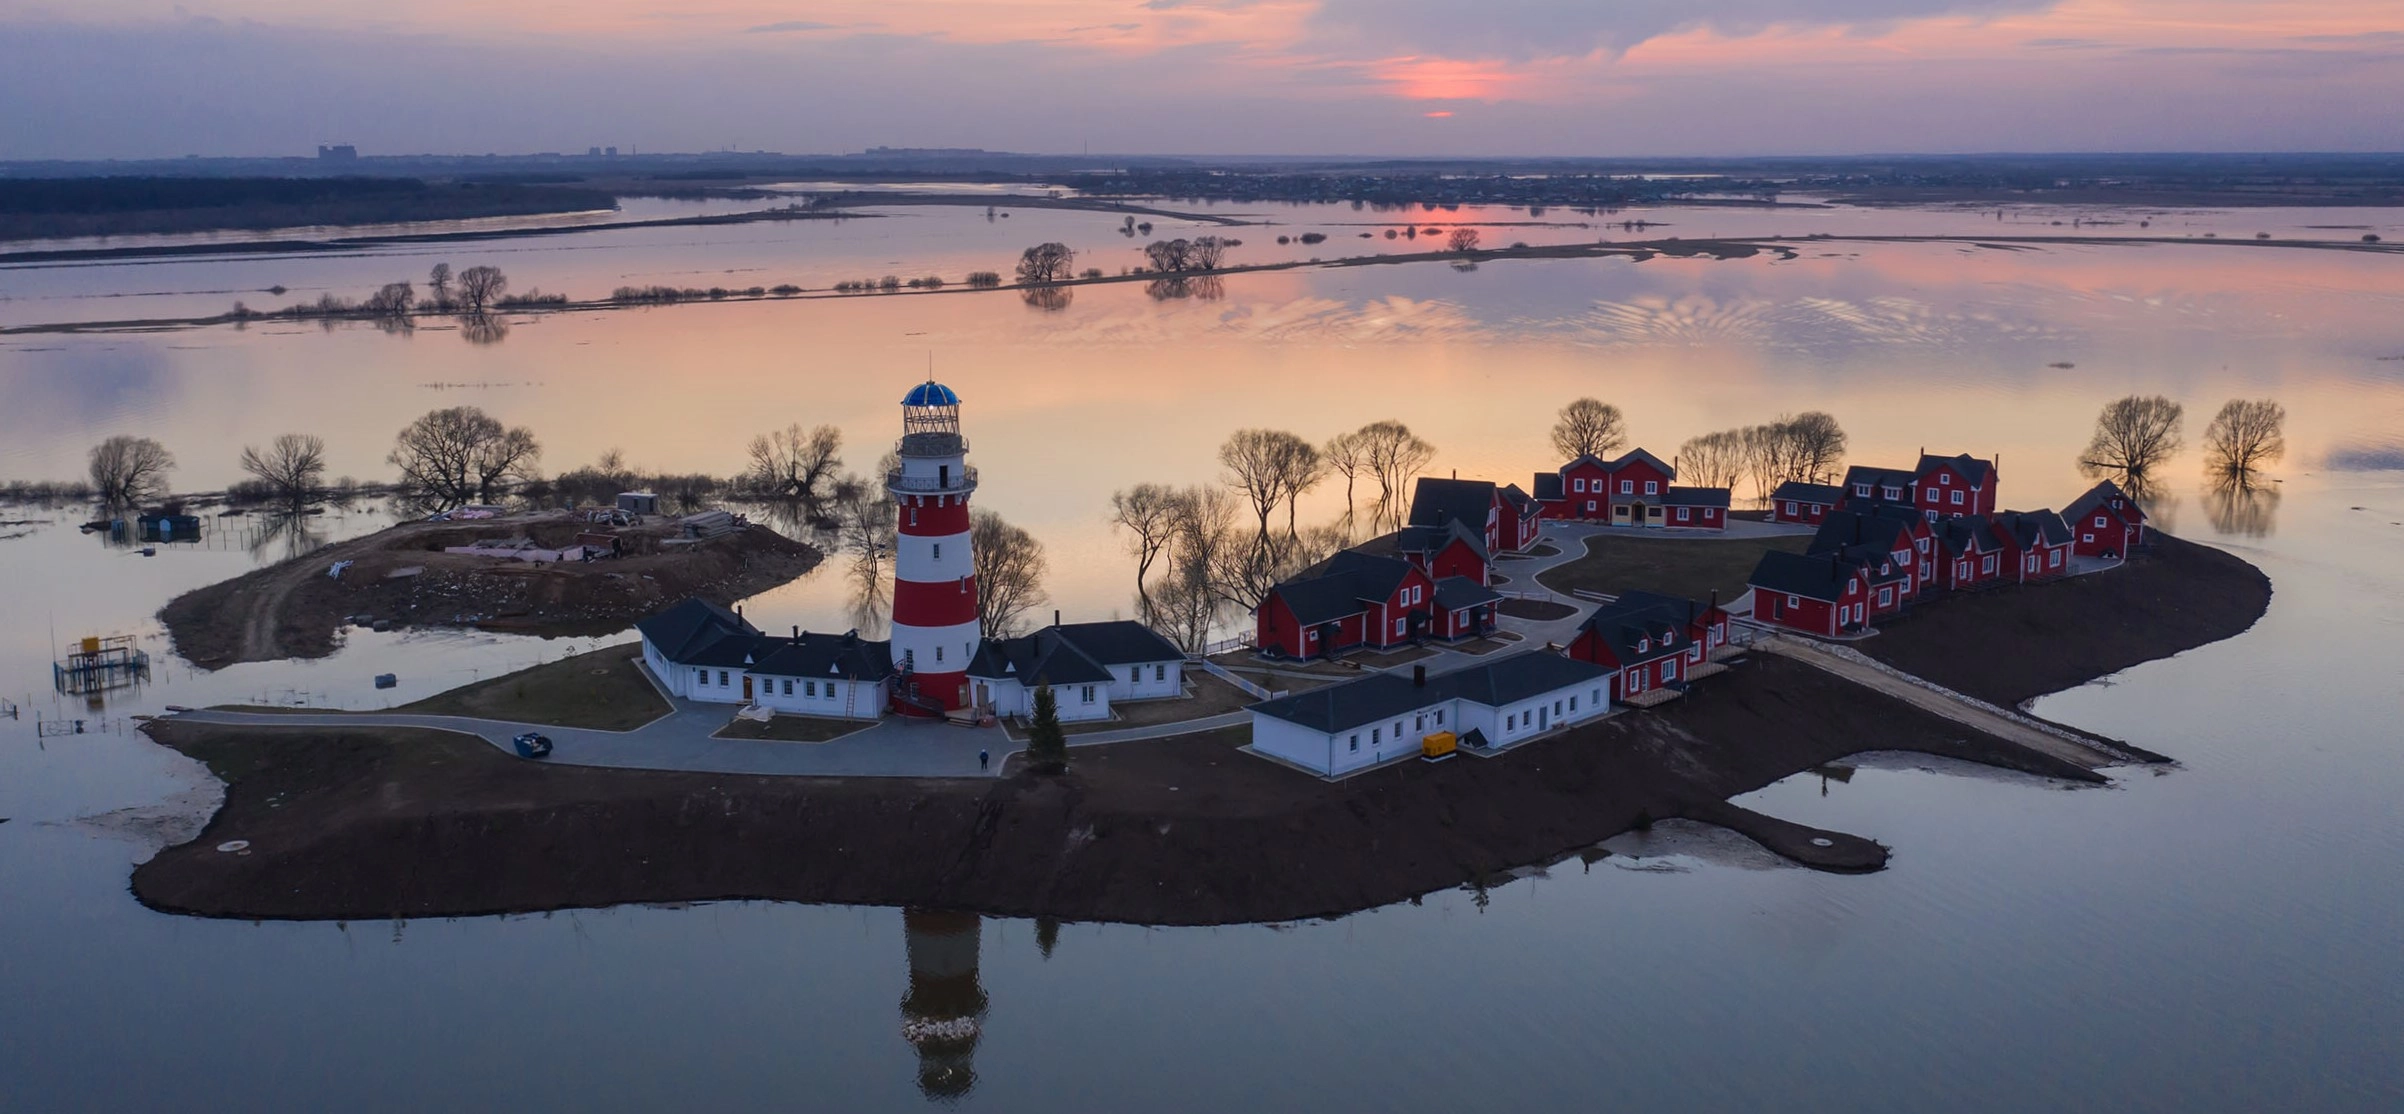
[[604, 689], [1689, 567], [792, 729]]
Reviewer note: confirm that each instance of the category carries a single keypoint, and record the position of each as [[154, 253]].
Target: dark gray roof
[[811, 654], [1042, 657], [1437, 501], [1978, 470], [1520, 499], [1339, 585], [1430, 540], [1800, 492], [1692, 610], [1120, 642], [1967, 534], [1695, 497], [1843, 530], [1879, 477], [1633, 455], [1383, 696], [1817, 577], [685, 633], [1548, 487], [2104, 495], [2026, 528], [1456, 592], [1643, 629]]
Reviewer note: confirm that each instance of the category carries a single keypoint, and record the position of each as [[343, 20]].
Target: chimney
[[797, 634], [1419, 675], [1055, 616]]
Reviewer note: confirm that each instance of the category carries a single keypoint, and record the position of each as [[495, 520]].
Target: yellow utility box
[[1438, 745], [91, 645]]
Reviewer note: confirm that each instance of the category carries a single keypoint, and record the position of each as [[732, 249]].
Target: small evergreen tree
[[1047, 745]]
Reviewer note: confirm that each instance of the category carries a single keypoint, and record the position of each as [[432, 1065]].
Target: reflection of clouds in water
[[2366, 457], [1808, 323], [1381, 320], [80, 391]]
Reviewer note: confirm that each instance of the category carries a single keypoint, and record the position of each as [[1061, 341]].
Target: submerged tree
[[1270, 467], [1009, 567], [438, 286], [1149, 514], [2133, 436], [1047, 744], [797, 465], [1462, 241], [1046, 263], [1589, 427], [480, 288], [1396, 456], [2237, 503], [1347, 455], [462, 455], [293, 467], [2246, 435], [128, 471]]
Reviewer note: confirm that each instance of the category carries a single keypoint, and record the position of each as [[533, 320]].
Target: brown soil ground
[[2181, 596], [372, 823], [294, 609], [1678, 566], [1538, 610]]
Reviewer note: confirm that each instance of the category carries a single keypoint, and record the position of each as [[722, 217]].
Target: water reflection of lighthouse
[[944, 1011]]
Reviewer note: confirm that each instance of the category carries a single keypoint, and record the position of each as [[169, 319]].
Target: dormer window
[[1644, 645], [1862, 490], [1894, 493]]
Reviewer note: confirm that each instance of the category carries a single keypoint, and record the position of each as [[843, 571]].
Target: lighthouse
[[935, 631]]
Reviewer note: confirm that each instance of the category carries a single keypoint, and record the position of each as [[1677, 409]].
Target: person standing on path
[[983, 758]]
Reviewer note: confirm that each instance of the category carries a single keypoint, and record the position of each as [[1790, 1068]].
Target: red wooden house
[[1644, 643], [1969, 553], [1895, 548], [1356, 599], [2036, 545], [2108, 523], [1439, 551], [1946, 486], [1504, 519], [1824, 595], [1634, 490], [1804, 504]]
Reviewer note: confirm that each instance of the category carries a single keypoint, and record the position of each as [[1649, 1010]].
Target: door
[[1541, 717], [746, 686], [984, 695]]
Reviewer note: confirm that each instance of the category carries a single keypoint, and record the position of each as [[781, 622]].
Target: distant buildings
[[343, 152], [1637, 489]]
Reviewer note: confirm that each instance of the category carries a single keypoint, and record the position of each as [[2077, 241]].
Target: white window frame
[[1086, 696]]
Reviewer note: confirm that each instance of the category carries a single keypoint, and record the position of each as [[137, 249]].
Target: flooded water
[[2216, 936]]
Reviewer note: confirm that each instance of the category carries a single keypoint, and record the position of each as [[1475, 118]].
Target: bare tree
[[2246, 435], [462, 455], [1149, 514], [1589, 427], [481, 287], [2237, 504], [1712, 460], [1206, 253], [1815, 446], [1270, 467], [1761, 449], [867, 519], [1185, 609], [438, 286], [1395, 456], [1462, 240], [2133, 435], [1170, 255], [483, 328], [1009, 566], [1046, 263], [128, 471], [293, 466], [1347, 455], [796, 464]]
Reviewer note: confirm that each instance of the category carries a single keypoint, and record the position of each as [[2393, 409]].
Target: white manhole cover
[[233, 845], [1822, 841]]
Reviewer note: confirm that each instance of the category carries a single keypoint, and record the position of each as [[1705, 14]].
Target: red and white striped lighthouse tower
[[934, 581]]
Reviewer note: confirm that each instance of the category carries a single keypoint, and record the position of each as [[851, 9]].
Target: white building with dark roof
[[1356, 724], [1089, 666]]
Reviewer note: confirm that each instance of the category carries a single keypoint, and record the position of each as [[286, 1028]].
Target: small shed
[[638, 502]]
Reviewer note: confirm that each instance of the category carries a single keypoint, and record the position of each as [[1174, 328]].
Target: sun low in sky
[[133, 78]]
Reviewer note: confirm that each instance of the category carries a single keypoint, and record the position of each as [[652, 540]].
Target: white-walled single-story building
[[1090, 666], [701, 651], [1360, 723]]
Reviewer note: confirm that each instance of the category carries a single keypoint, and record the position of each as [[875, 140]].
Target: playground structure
[[99, 665]]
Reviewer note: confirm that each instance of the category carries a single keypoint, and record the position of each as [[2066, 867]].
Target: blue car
[[531, 745]]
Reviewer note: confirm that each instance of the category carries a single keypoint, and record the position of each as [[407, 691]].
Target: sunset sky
[[133, 78]]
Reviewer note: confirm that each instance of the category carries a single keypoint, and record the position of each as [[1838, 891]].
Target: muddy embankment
[[402, 577], [372, 824]]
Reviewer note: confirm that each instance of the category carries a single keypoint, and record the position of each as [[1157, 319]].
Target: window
[[830, 690], [2099, 520], [788, 686], [722, 678], [1511, 722], [1439, 717], [1556, 707], [913, 516], [2083, 538], [1790, 508], [1627, 487], [1398, 627], [701, 676], [1397, 730], [809, 688], [1160, 672], [1987, 563], [1886, 597], [909, 658], [1310, 636], [938, 653], [1573, 703], [1374, 733], [1681, 514], [1794, 601], [1355, 745], [2054, 558], [1957, 498], [1652, 487], [1419, 722], [1945, 478], [1578, 485], [1894, 493], [1862, 490], [1598, 698], [938, 547], [1590, 505], [1086, 695], [1135, 675]]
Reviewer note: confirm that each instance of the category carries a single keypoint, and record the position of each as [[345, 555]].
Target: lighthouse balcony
[[962, 480]]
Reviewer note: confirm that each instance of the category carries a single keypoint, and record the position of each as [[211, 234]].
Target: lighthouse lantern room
[[935, 631]]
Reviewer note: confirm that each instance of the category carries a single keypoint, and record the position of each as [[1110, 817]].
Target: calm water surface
[[2217, 936]]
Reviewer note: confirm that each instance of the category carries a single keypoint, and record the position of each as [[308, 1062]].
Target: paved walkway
[[1931, 697]]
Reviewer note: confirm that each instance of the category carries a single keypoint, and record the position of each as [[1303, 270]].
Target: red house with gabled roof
[[1822, 595], [1504, 519], [1651, 640], [1637, 489], [1969, 553], [1804, 504], [1894, 548], [1946, 486], [2036, 545], [2108, 523], [1439, 551], [1352, 599]]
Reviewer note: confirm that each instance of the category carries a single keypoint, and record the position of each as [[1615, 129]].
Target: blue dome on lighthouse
[[930, 393]]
